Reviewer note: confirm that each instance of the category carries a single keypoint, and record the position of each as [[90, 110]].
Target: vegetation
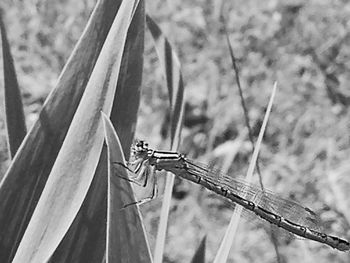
[[304, 155]]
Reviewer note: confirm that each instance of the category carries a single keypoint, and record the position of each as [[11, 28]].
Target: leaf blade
[[172, 69], [23, 183], [120, 246], [15, 120], [64, 194], [199, 256], [227, 241], [89, 227]]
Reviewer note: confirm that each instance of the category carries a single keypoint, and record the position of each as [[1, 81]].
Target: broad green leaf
[[15, 121], [199, 256], [86, 238], [126, 237], [74, 168], [172, 69], [26, 177]]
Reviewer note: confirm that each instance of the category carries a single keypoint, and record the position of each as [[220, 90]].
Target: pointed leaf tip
[[199, 256], [15, 120], [126, 239]]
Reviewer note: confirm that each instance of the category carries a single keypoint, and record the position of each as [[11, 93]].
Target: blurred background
[[303, 45]]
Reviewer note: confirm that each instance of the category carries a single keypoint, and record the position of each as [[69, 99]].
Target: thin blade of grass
[[218, 9], [334, 182], [15, 120], [89, 227], [244, 107], [126, 238], [23, 183], [199, 256], [227, 241], [247, 122], [170, 62], [76, 163]]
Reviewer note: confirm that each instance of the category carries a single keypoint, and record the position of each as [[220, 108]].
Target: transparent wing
[[266, 199]]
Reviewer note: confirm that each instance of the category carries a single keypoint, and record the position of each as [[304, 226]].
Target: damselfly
[[283, 213]]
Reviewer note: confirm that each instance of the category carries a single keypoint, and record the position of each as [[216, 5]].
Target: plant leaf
[[77, 160], [227, 241], [15, 121], [86, 238], [26, 177], [170, 62], [247, 123], [130, 81], [172, 69], [126, 238], [199, 256]]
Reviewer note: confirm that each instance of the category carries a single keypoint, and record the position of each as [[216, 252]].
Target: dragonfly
[[286, 214]]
